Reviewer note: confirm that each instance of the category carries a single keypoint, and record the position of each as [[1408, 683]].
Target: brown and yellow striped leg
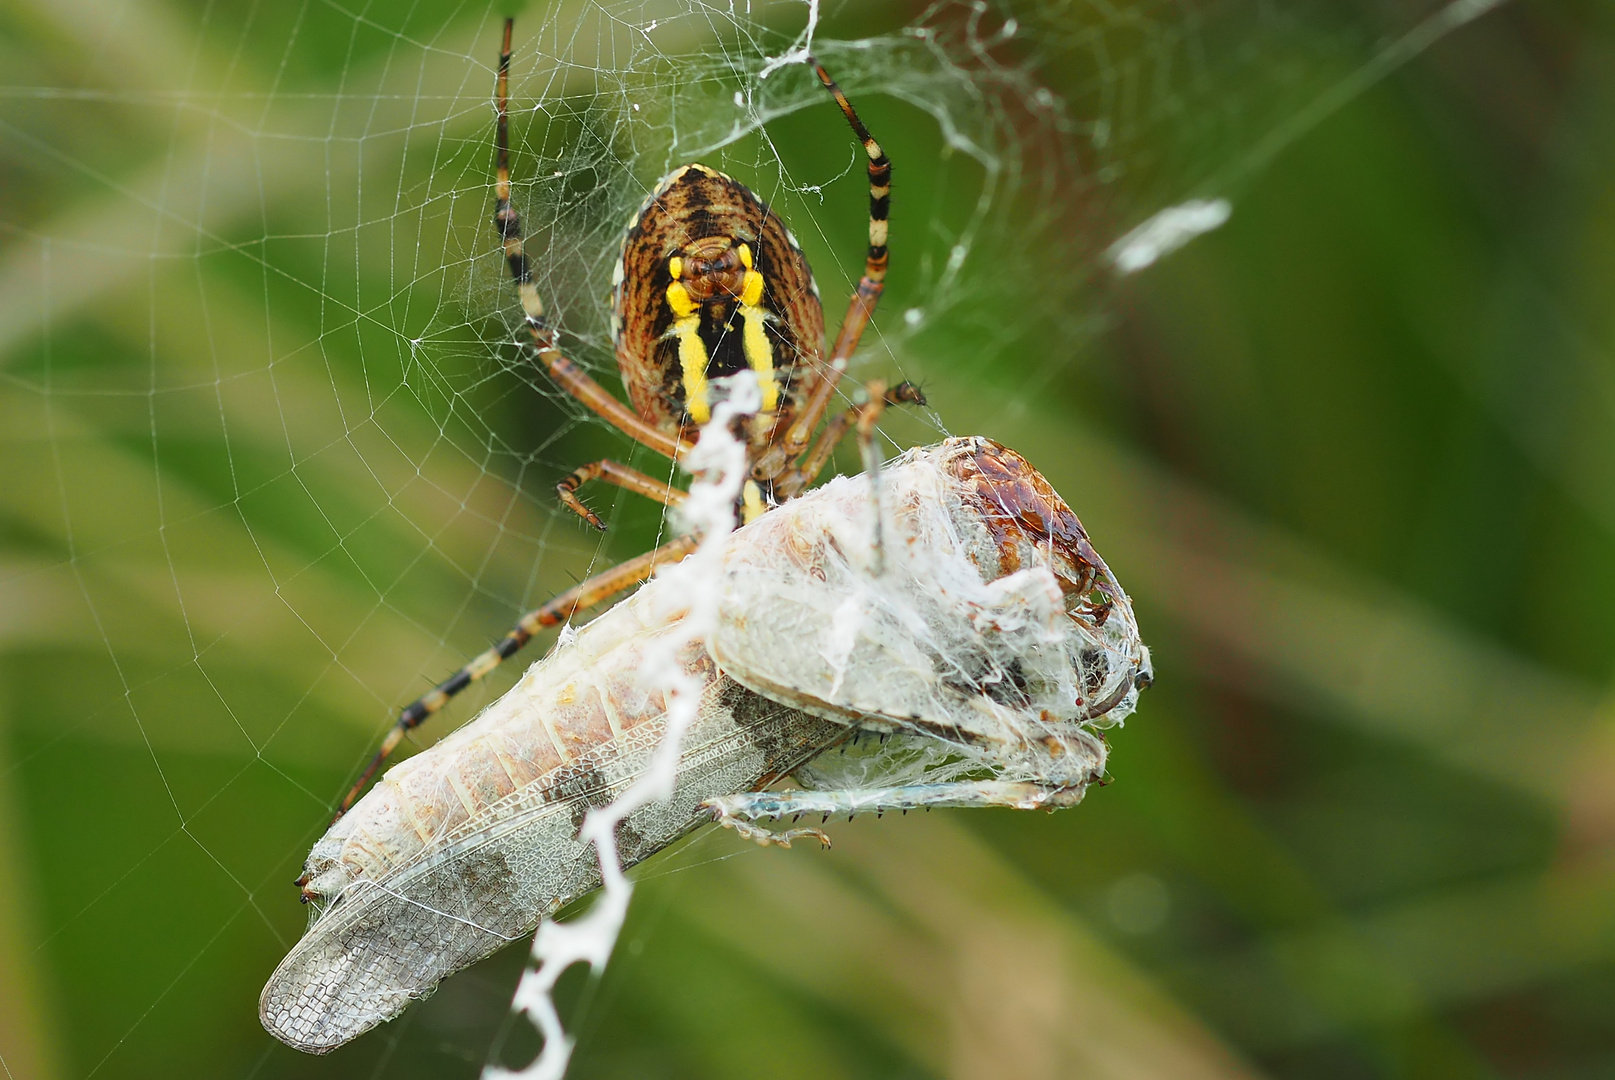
[[807, 468], [870, 286], [612, 473], [566, 374], [584, 595]]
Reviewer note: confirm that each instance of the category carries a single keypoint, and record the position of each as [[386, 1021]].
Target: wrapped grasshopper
[[955, 606]]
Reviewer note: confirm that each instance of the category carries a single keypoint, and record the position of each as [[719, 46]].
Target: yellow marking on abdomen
[[754, 340], [752, 505], [760, 355], [692, 350], [678, 298], [693, 365]]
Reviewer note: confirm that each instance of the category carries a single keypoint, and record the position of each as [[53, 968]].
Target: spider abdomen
[[711, 283]]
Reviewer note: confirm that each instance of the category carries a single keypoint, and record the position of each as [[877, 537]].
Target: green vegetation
[[266, 468]]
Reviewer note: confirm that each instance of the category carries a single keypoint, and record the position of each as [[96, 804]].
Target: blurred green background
[[268, 468]]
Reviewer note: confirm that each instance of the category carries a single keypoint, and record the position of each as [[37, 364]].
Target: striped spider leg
[[710, 282]]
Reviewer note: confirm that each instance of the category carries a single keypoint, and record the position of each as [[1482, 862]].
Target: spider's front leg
[[862, 415], [870, 286], [566, 374], [587, 594]]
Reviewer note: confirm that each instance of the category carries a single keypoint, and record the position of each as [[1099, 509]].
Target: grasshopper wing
[[987, 619]]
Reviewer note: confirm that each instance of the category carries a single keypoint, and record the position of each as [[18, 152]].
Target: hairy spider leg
[[612, 473], [566, 374], [807, 468], [569, 377], [870, 286], [585, 594]]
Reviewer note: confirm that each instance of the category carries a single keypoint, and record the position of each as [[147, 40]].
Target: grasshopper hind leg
[[741, 811]]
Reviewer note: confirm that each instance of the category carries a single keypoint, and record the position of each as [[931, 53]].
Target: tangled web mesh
[[282, 460]]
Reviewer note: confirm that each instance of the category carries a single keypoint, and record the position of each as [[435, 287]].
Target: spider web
[[275, 463]]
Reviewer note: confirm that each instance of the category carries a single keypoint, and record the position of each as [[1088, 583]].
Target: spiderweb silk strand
[[275, 459], [719, 467]]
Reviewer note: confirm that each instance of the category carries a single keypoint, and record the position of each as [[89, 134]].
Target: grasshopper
[[950, 602]]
